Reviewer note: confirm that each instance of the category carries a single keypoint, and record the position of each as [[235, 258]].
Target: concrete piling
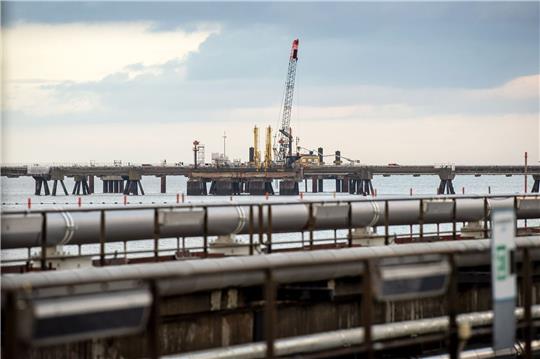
[[163, 184], [345, 184], [91, 184], [338, 185], [446, 175], [536, 184], [196, 187], [315, 184], [288, 188]]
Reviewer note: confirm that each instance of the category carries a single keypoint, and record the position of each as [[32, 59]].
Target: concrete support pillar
[[268, 188], [365, 187], [91, 184], [536, 184], [163, 184], [222, 187], [41, 183], [133, 183], [58, 176], [55, 186], [345, 184], [305, 185], [446, 175], [256, 188], [288, 188], [132, 187], [196, 187], [361, 183], [352, 186], [81, 185], [314, 184]]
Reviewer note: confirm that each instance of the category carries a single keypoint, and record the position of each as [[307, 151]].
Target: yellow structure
[[256, 151], [268, 148]]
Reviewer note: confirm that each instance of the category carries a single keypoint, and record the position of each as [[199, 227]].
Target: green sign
[[502, 262]]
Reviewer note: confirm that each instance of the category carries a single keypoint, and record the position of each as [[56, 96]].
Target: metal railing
[[261, 224], [271, 271]]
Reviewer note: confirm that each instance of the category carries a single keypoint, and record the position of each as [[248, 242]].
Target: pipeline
[[190, 276], [483, 353], [23, 230], [347, 337]]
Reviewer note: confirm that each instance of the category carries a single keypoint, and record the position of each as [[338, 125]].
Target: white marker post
[[503, 279]]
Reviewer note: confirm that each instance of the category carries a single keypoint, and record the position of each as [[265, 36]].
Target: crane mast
[[284, 134]]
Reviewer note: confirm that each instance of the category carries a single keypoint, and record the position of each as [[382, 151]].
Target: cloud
[[42, 99], [520, 88], [90, 51], [40, 59]]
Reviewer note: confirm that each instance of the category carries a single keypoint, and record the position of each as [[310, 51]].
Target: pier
[[250, 180]]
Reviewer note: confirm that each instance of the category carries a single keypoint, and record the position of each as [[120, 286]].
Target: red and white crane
[[283, 147]]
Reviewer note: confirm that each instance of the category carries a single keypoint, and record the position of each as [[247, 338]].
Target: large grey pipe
[[191, 276], [76, 227]]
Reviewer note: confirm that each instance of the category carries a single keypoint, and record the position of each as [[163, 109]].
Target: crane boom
[[282, 146]]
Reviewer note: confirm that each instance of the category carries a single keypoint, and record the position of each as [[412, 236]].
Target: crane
[[284, 136]]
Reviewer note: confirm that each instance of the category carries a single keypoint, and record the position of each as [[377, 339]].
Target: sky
[[388, 82]]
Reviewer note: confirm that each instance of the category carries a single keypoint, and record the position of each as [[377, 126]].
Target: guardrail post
[[29, 257], [102, 238], [156, 234], [270, 312], [205, 232], [367, 308], [349, 225], [153, 322], [515, 211], [310, 225], [386, 215], [251, 230], [44, 241], [453, 343], [486, 217], [527, 301], [454, 227], [11, 346], [269, 231], [421, 220], [261, 228]]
